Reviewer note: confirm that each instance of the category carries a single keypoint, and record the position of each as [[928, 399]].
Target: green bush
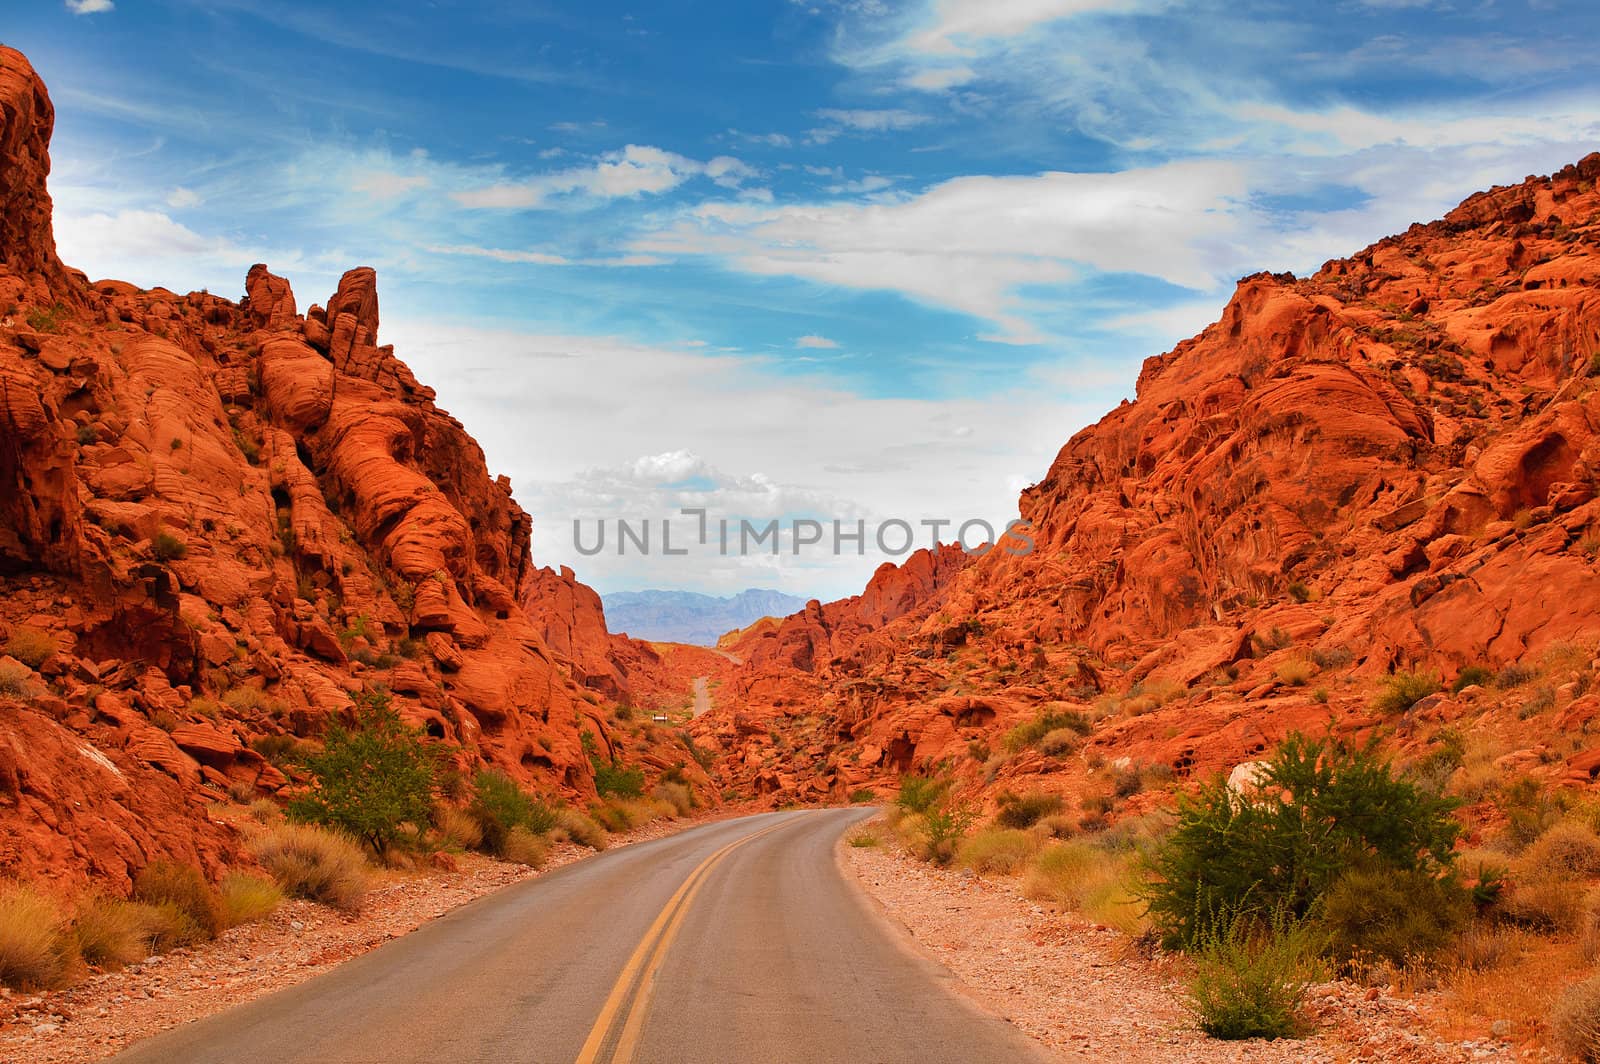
[[918, 794], [1472, 676], [1249, 979], [370, 779], [1026, 810], [863, 796], [1393, 915], [1403, 690], [1321, 809], [945, 826], [166, 547], [1027, 734], [610, 777], [500, 807]]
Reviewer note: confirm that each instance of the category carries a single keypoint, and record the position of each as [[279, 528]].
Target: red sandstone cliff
[[1390, 464], [226, 519]]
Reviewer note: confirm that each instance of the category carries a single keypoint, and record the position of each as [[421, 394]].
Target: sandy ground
[[1089, 994]]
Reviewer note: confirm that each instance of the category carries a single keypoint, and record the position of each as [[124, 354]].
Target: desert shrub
[[1515, 675], [1004, 851], [370, 779], [677, 795], [1031, 732], [1402, 690], [247, 898], [1530, 810], [281, 750], [580, 829], [918, 794], [1575, 1020], [48, 319], [1249, 979], [111, 933], [1295, 672], [457, 828], [624, 814], [31, 646], [1322, 808], [1056, 826], [312, 862], [1544, 901], [500, 807], [166, 547], [16, 680], [1472, 676], [863, 838], [525, 848], [1024, 811], [1082, 877], [1058, 743], [942, 829], [1569, 848], [863, 796], [185, 889], [1392, 915], [612, 778], [35, 951]]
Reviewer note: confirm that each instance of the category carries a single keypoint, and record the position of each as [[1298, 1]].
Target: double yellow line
[[639, 973]]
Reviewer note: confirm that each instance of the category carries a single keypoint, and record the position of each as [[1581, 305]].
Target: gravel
[[1089, 993]]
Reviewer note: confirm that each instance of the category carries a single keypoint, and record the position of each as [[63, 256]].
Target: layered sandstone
[[230, 518], [1391, 464]]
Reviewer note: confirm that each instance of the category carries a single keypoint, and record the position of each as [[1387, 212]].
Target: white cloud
[[743, 437], [818, 342], [955, 26], [873, 121], [970, 243], [541, 258], [635, 170], [182, 198], [940, 78], [391, 186], [89, 7]]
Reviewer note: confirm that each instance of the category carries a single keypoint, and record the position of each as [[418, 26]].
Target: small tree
[[372, 778], [1320, 809], [500, 807]]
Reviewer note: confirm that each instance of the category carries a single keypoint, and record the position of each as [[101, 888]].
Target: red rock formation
[[229, 519], [1392, 463]]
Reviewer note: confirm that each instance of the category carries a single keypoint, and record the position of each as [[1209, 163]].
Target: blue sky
[[841, 258]]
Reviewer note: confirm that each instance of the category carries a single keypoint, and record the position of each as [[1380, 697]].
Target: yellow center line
[[660, 935]]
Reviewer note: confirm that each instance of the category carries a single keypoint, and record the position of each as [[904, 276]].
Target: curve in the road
[[739, 941]]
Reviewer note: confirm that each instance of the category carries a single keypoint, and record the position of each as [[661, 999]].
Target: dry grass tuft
[[31, 646], [16, 680], [247, 898], [676, 795], [525, 848], [315, 863], [1575, 1020], [184, 888], [112, 933], [1082, 877], [457, 828], [1569, 848], [35, 951], [1000, 851], [580, 829]]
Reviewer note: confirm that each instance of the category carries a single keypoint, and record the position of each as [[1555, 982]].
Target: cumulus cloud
[[743, 437], [89, 7], [972, 243]]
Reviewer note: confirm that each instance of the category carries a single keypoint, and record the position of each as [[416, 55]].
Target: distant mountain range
[[688, 617]]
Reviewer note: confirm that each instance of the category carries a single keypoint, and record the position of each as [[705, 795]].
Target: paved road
[[740, 941], [702, 695]]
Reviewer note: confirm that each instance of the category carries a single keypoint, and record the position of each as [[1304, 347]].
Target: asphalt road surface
[[740, 941]]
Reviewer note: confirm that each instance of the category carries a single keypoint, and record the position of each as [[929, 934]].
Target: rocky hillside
[[218, 521], [1389, 466]]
